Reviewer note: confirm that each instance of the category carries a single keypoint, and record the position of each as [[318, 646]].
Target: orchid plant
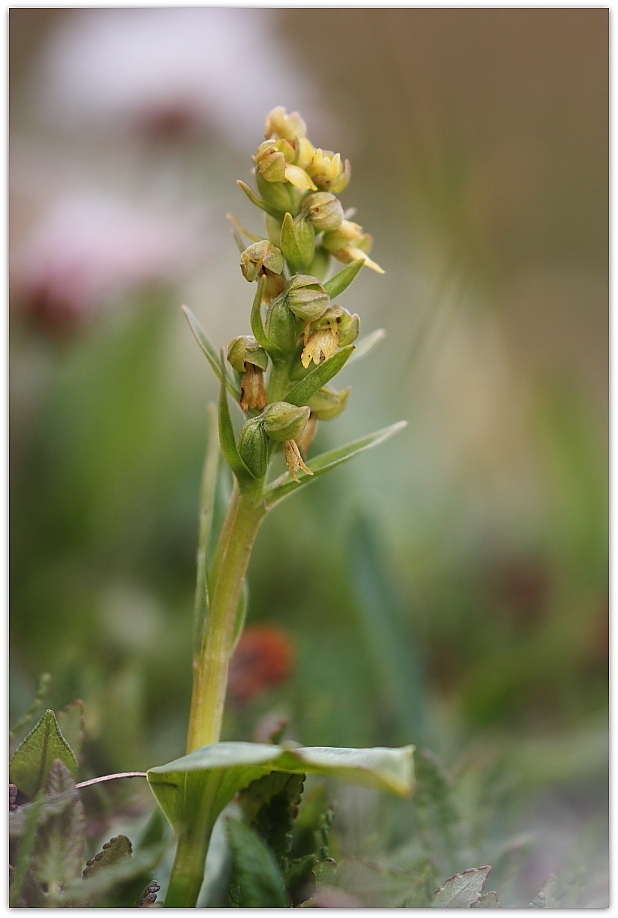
[[300, 339], [279, 377]]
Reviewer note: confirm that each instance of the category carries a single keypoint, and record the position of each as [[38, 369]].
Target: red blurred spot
[[263, 659]]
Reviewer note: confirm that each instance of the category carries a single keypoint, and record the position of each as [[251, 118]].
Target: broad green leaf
[[33, 758], [257, 881], [284, 485], [210, 352], [208, 778], [461, 890], [363, 346], [340, 281], [302, 391]]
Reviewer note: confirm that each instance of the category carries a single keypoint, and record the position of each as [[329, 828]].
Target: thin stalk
[[210, 665], [278, 381], [207, 502]]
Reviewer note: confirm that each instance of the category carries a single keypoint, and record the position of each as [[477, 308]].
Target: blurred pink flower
[[88, 249], [218, 69]]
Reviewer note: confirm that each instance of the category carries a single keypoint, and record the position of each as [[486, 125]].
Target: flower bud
[[253, 447], [245, 349], [306, 297], [247, 357], [326, 404], [259, 258], [328, 172], [297, 242], [283, 421], [280, 325], [280, 124], [324, 211], [274, 162], [271, 158]]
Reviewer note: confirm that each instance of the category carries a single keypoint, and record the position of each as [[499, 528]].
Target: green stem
[[279, 381], [187, 873], [211, 662]]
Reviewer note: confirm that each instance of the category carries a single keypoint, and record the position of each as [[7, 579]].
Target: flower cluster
[[297, 329]]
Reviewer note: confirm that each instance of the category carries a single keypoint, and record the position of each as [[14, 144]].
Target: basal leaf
[[284, 485], [302, 391], [461, 890], [208, 778], [33, 758], [257, 881]]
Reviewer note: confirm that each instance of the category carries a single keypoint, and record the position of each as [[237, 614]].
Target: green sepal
[[255, 199], [33, 758], [253, 447], [257, 326], [284, 485], [340, 281], [300, 393], [227, 437], [210, 353], [297, 243]]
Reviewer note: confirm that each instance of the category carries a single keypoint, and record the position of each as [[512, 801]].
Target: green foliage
[[33, 758], [257, 880], [319, 465]]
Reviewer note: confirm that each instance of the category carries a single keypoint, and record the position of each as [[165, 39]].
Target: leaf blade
[[302, 391], [319, 465]]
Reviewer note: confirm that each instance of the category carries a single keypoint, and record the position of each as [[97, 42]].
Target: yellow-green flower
[[280, 124], [328, 172], [348, 242], [274, 161]]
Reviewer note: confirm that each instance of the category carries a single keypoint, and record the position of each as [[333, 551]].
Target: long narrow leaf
[[253, 197], [210, 352], [340, 281], [318, 377], [257, 325], [284, 485], [366, 344], [227, 437]]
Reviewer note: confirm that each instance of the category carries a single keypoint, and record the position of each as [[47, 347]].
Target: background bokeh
[[448, 588]]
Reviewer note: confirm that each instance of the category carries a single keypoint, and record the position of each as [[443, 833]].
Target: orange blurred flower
[[263, 658]]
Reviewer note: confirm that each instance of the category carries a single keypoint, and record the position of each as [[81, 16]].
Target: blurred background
[[449, 588]]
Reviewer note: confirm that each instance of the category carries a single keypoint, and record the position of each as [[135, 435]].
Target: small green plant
[[278, 855], [300, 339]]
